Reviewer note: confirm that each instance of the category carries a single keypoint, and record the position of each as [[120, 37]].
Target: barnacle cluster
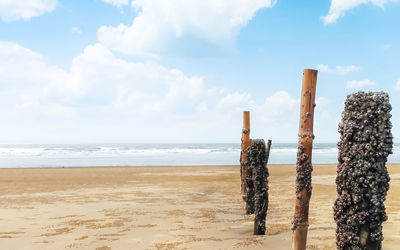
[[257, 180], [304, 169], [242, 169], [249, 198], [362, 178]]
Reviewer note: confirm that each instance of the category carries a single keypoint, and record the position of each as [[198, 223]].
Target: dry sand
[[164, 208]]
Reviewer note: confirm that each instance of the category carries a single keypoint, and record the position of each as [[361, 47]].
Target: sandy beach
[[164, 208]]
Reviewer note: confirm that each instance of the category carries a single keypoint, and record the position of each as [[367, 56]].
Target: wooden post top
[[306, 137], [246, 120], [306, 124]]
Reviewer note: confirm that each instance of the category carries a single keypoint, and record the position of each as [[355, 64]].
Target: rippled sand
[[164, 208]]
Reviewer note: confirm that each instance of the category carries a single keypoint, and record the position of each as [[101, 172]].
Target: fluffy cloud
[[105, 98], [322, 101], [280, 101], [99, 92], [356, 84], [117, 3], [241, 101], [339, 70], [157, 22], [29, 84], [21, 67], [11, 10], [339, 7], [96, 78], [276, 104]]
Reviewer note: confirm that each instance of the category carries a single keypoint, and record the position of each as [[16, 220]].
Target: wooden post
[[362, 177], [245, 144], [304, 167], [261, 195]]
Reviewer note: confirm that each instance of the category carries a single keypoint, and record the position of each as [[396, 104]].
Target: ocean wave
[[105, 150], [154, 154]]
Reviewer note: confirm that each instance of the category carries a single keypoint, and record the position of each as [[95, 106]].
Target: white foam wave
[[157, 154]]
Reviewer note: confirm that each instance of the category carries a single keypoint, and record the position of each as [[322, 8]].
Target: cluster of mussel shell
[[303, 171], [362, 177], [257, 180]]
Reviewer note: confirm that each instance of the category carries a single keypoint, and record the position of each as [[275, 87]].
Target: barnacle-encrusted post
[[251, 159], [257, 177], [362, 178], [303, 165], [257, 158], [245, 144]]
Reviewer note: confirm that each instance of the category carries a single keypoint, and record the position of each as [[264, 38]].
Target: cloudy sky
[[139, 71]]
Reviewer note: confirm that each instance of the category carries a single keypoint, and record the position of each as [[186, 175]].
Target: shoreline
[[168, 166]]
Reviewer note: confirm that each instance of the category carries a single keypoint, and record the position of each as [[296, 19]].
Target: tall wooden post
[[304, 167], [245, 144]]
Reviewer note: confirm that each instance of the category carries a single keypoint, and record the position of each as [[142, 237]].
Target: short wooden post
[[260, 179], [362, 178], [245, 144], [303, 165]]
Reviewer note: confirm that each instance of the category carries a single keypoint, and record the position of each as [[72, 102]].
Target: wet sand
[[165, 208]]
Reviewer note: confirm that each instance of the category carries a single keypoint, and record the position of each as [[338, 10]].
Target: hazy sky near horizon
[[136, 71]]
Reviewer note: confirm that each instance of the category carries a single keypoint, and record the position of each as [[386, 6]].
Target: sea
[[97, 155]]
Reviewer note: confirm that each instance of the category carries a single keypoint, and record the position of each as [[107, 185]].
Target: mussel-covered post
[[303, 164], [251, 162], [257, 158], [362, 177], [245, 144]]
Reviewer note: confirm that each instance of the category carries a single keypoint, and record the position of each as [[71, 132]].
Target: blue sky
[[183, 71]]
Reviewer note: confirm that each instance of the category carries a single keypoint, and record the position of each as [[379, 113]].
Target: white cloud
[[31, 104], [339, 7], [355, 84], [76, 30], [105, 98], [157, 22], [96, 78], [117, 3], [325, 116], [36, 72], [99, 92], [236, 100], [322, 101], [339, 70], [11, 10], [215, 90], [276, 118], [280, 101], [398, 85], [144, 86]]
